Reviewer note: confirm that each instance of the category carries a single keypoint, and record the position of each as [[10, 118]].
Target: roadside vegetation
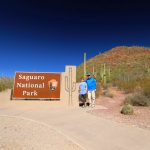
[[127, 110], [127, 68], [6, 83]]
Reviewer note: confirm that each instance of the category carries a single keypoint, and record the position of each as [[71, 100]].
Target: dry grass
[[6, 83], [141, 93]]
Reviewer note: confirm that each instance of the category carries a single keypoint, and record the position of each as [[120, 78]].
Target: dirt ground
[[24, 134], [20, 134], [29, 125], [140, 118]]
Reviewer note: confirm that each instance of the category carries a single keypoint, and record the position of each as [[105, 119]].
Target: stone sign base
[[68, 90], [69, 87]]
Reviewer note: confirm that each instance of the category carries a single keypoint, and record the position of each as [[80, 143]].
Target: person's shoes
[[90, 105], [93, 105], [83, 106]]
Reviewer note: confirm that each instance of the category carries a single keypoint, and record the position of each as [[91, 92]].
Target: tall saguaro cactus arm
[[84, 64], [104, 73]]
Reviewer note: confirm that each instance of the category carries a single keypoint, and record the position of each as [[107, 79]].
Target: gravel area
[[140, 118], [21, 134]]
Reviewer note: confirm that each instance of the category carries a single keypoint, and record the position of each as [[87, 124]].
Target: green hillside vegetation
[[128, 68], [6, 83]]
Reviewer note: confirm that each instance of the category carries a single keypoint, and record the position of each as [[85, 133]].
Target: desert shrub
[[137, 99], [139, 85], [146, 92], [98, 89], [127, 109], [127, 86], [1, 87], [105, 86], [107, 93], [6, 83], [145, 84]]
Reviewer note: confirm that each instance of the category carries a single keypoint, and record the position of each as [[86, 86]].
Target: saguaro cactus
[[84, 64], [70, 86], [148, 70], [109, 72], [105, 73], [93, 70]]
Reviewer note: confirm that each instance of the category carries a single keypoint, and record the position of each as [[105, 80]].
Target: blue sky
[[47, 35]]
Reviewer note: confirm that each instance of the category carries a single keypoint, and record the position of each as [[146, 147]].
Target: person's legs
[[89, 97], [93, 97], [83, 99]]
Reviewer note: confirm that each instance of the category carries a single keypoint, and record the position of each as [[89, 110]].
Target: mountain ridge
[[130, 59]]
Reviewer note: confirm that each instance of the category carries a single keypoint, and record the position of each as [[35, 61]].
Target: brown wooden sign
[[33, 85]]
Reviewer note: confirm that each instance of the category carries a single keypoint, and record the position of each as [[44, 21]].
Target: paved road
[[86, 130]]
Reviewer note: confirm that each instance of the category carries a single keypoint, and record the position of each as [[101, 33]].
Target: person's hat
[[88, 74]]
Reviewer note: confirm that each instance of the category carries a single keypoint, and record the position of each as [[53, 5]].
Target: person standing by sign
[[83, 91], [91, 83]]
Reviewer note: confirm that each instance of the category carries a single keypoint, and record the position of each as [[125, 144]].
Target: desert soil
[[20, 134], [140, 118], [29, 125], [24, 134]]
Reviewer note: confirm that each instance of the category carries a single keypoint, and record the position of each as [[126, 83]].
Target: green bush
[[127, 109], [137, 99]]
